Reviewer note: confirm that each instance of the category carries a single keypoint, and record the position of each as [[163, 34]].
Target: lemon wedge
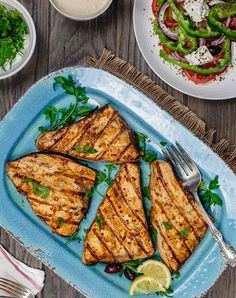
[[158, 271], [145, 284]]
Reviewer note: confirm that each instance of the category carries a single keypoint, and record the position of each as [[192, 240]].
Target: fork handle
[[227, 251]]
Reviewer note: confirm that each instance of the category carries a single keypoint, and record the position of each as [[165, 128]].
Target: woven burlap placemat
[[127, 72]]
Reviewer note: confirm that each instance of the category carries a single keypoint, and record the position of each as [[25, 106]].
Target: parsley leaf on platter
[[99, 221], [38, 189], [132, 266], [146, 192], [148, 155], [74, 237], [163, 143], [167, 293], [176, 275], [207, 194]]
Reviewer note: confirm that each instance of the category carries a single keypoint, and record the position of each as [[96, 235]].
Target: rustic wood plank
[[62, 42]]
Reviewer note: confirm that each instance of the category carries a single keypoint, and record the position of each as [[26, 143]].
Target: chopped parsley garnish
[[58, 118], [184, 233], [38, 189], [207, 194], [74, 237], [148, 155], [146, 192], [132, 266], [60, 222], [86, 149], [167, 293], [153, 231], [99, 221], [167, 225], [103, 177], [13, 29]]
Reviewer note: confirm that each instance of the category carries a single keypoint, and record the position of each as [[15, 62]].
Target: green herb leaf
[[110, 168], [167, 293], [154, 232], [60, 117], [38, 189], [163, 143], [149, 156], [13, 29], [167, 225], [60, 222], [86, 149], [132, 266], [74, 237], [99, 221], [207, 194], [101, 177], [146, 192], [214, 184], [184, 233], [176, 275]]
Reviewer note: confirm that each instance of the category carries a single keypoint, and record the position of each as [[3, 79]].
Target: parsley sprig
[[146, 191], [60, 117], [207, 192], [148, 155], [76, 237], [38, 189], [184, 233], [167, 225], [132, 266]]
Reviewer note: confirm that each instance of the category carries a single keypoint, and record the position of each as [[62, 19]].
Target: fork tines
[[13, 288], [180, 160]]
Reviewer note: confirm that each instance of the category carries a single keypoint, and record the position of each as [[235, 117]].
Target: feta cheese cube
[[196, 9], [233, 53], [199, 57]]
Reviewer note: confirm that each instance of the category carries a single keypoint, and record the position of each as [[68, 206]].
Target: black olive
[[114, 268], [129, 274], [215, 50]]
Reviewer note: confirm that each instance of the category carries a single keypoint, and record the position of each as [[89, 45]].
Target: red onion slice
[[161, 21], [202, 42], [214, 2], [177, 57], [218, 41]]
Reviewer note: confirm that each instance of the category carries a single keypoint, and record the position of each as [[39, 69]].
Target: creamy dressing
[[81, 8]]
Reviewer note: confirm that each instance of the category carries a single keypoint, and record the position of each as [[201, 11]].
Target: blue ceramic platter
[[18, 132]]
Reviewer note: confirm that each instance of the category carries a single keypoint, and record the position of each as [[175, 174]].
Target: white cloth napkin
[[15, 270]]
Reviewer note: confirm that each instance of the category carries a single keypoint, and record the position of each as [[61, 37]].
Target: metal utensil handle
[[227, 251]]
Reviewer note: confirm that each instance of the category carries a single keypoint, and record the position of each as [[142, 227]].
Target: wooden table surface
[[62, 42]]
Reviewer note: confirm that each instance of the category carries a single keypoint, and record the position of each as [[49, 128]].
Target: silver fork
[[191, 178], [15, 289]]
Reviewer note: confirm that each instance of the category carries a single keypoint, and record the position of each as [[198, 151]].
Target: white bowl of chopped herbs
[[17, 37]]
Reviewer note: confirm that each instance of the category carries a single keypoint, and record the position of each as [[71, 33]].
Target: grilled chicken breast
[[56, 188], [119, 232], [175, 216], [104, 130]]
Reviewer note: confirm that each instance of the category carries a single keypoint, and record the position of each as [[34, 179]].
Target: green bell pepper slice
[[176, 45], [185, 24], [223, 62], [219, 12]]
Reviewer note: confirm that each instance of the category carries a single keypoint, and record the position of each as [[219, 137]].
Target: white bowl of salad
[[192, 45], [17, 37]]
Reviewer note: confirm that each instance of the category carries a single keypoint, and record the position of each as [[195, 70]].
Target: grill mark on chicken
[[67, 200], [125, 224], [122, 129], [120, 225], [102, 131]]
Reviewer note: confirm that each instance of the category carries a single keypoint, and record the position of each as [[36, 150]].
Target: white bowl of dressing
[[81, 10]]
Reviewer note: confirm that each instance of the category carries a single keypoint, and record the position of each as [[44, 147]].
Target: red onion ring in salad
[[214, 2], [161, 21], [177, 57], [220, 40]]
